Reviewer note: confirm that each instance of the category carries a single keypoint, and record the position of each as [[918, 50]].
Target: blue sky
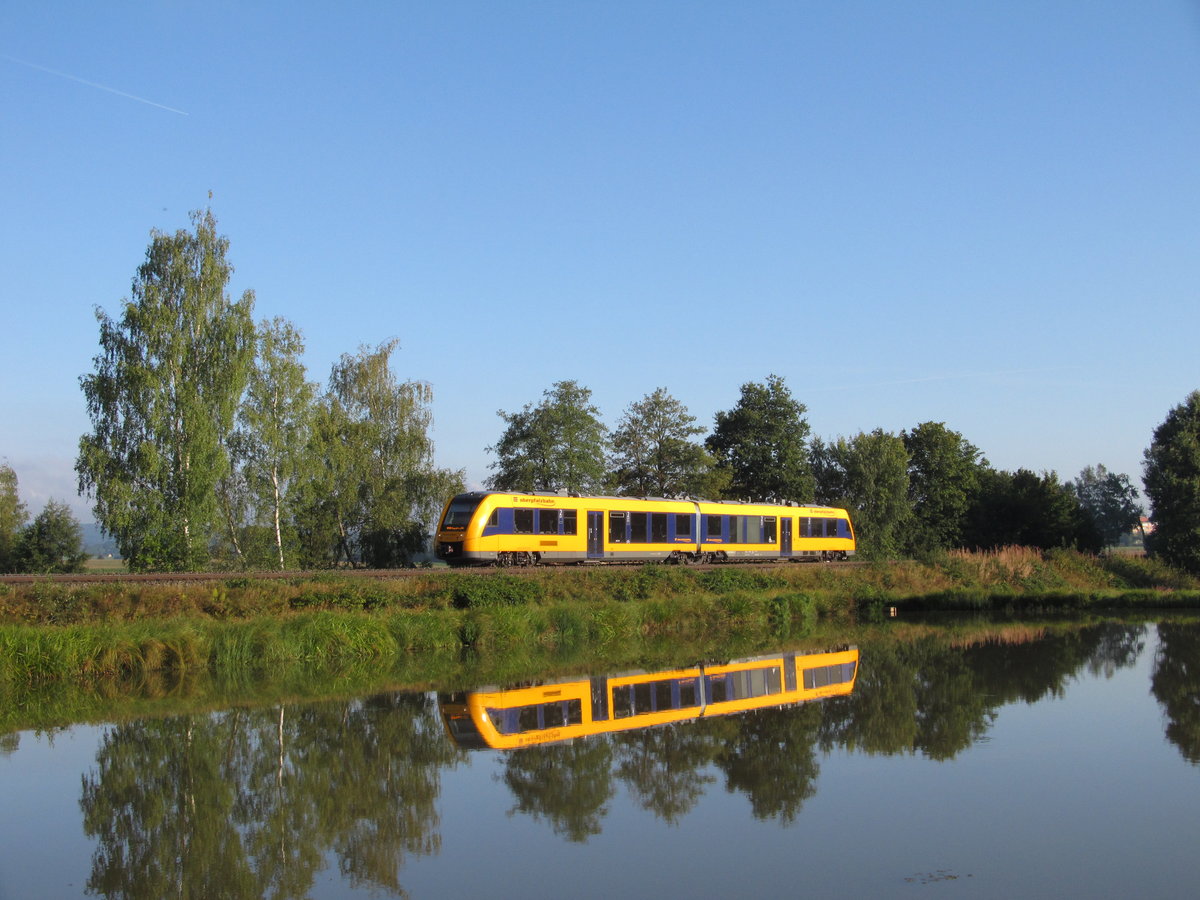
[[986, 215]]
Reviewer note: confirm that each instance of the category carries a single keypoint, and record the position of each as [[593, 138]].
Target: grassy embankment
[[77, 652], [330, 624]]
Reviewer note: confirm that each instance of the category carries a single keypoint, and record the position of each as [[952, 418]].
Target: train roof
[[581, 496]]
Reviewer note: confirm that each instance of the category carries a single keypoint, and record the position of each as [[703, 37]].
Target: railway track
[[382, 574]]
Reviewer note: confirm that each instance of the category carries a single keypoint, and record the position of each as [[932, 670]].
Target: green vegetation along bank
[[332, 627]]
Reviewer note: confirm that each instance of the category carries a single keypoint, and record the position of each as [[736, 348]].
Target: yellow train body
[[559, 711], [515, 528]]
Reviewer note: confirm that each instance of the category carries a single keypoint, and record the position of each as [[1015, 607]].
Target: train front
[[459, 529]]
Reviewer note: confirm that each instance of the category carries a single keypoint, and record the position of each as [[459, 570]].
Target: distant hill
[[97, 543]]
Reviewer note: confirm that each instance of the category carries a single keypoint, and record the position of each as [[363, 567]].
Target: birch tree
[[270, 446], [376, 491], [167, 381], [13, 517]]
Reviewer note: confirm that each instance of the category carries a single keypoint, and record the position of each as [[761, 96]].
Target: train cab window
[[658, 527], [523, 521], [494, 519], [616, 528], [638, 533], [683, 526], [712, 528], [568, 519], [548, 521], [461, 509]]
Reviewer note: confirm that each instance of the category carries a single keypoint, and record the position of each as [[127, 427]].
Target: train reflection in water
[[562, 710]]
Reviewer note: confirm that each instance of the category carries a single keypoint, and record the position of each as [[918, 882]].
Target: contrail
[[102, 87]]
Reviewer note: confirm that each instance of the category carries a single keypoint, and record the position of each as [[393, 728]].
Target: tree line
[[923, 490], [209, 446]]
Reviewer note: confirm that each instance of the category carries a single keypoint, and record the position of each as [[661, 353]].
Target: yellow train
[[505, 529], [559, 711]]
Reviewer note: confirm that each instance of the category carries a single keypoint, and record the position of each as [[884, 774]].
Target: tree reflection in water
[[256, 802], [250, 802], [1175, 685]]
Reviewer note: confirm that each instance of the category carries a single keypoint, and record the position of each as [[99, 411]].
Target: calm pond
[[1057, 760]]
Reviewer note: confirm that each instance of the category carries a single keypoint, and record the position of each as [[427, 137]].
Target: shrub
[[477, 591]]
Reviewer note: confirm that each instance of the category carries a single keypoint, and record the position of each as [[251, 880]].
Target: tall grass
[[334, 623]]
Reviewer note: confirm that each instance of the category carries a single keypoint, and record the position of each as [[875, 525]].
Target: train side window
[[735, 526], [683, 526], [717, 688], [547, 521], [637, 528], [663, 698], [712, 528], [643, 698], [527, 716], [658, 527], [769, 529], [688, 692], [569, 520], [622, 701], [752, 529], [616, 528], [562, 712], [523, 521], [494, 519]]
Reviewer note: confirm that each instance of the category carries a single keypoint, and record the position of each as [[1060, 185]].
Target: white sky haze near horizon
[[986, 215]]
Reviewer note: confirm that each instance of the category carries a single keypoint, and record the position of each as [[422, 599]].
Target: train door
[[785, 536], [595, 531]]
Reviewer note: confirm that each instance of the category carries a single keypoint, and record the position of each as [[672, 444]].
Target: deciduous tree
[[560, 444], [52, 543], [762, 443], [654, 454], [162, 398], [1025, 509], [13, 517], [376, 491], [943, 475], [1172, 481], [1111, 501], [869, 475], [271, 444]]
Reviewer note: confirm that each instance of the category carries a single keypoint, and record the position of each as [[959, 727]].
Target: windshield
[[459, 513]]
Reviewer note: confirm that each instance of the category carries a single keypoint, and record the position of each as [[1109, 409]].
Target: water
[[1065, 765]]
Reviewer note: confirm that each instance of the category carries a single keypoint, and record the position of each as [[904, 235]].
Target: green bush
[[491, 591]]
